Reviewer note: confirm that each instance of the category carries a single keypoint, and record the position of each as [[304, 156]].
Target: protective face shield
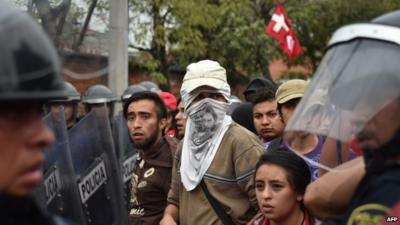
[[29, 64], [97, 96], [97, 170], [58, 192], [358, 79]]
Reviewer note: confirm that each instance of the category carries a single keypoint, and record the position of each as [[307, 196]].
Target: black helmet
[[130, 90], [29, 64], [71, 94], [150, 86], [98, 94]]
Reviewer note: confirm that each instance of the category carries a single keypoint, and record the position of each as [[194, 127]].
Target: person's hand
[[167, 220]]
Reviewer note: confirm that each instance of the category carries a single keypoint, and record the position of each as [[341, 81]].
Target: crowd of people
[[319, 151]]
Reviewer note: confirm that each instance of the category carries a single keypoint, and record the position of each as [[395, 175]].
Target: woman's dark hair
[[147, 95], [297, 171]]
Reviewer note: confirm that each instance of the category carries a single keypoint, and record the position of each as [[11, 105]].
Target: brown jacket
[[229, 179], [151, 182]]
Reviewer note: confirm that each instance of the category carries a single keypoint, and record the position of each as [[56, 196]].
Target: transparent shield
[[97, 170], [58, 192], [354, 84]]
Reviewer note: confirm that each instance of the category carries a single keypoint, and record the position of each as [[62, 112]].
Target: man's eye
[[145, 116]]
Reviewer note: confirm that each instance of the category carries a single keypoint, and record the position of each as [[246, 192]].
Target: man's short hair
[[266, 95], [147, 95]]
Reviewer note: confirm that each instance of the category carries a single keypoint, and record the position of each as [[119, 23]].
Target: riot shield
[[97, 170], [58, 191], [126, 153]]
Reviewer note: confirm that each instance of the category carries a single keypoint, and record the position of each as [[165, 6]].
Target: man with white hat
[[212, 180]]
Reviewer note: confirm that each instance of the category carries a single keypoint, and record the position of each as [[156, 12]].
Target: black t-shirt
[[374, 198]]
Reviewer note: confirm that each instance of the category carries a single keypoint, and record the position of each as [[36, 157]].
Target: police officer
[[361, 75], [98, 95], [29, 76], [70, 104]]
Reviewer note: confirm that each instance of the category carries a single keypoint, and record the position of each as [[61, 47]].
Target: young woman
[[281, 179]]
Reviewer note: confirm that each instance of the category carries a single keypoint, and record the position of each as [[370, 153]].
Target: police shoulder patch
[[368, 214]]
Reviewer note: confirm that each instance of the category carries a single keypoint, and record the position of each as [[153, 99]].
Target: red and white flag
[[281, 29]]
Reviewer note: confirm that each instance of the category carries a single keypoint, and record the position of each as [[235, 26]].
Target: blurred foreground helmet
[[130, 90], [99, 95], [150, 86], [358, 78], [29, 64]]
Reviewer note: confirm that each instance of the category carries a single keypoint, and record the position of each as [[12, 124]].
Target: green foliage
[[232, 31], [288, 75], [315, 21]]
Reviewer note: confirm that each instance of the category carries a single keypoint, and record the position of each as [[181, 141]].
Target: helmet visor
[[354, 82]]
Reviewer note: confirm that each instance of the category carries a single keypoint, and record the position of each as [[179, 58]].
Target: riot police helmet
[[98, 95], [71, 94], [130, 90], [150, 86]]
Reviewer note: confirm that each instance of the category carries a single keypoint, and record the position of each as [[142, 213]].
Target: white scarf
[[207, 122]]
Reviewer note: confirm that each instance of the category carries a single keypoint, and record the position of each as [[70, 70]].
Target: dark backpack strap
[[222, 215], [339, 152]]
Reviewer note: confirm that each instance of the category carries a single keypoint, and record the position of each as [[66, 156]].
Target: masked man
[[215, 162]]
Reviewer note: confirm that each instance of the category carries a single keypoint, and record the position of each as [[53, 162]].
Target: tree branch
[[169, 9], [140, 48], [86, 24]]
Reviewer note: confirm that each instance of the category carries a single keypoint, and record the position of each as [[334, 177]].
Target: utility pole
[[118, 48]]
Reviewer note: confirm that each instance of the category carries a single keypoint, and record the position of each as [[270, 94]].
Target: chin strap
[[377, 160]]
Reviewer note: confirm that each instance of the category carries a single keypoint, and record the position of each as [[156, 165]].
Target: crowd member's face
[[381, 128], [287, 113], [267, 121], [68, 111], [144, 127], [181, 119], [276, 197], [23, 135]]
